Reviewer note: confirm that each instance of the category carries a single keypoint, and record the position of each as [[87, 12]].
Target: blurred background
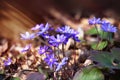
[[18, 16]]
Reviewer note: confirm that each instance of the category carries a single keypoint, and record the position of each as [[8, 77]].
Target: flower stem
[[63, 50]]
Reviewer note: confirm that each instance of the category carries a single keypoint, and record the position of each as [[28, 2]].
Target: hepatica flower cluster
[[105, 26], [51, 48], [60, 37]]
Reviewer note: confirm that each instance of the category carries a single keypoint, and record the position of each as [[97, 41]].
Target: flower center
[[43, 50], [108, 29], [58, 40], [51, 60]]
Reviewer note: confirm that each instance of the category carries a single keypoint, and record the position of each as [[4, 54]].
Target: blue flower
[[50, 60], [44, 29], [46, 36], [7, 62], [27, 36], [44, 49], [73, 34], [26, 48], [37, 27], [65, 29], [107, 27], [63, 62], [68, 32], [94, 21], [76, 38], [104, 22], [59, 39]]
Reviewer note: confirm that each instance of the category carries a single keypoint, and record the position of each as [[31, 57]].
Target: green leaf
[[116, 54], [90, 73], [93, 31], [106, 35], [15, 78], [99, 45], [106, 60], [103, 35]]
